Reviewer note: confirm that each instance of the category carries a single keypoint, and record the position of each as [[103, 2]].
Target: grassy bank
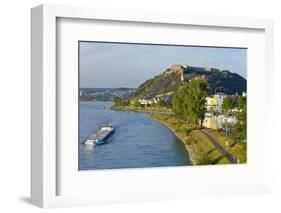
[[201, 150], [238, 150], [155, 109]]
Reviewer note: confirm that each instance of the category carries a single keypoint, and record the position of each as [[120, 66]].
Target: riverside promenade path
[[219, 147]]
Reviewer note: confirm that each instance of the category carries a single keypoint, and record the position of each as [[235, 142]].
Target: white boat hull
[[100, 137]]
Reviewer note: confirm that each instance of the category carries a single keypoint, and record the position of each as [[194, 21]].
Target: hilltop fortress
[[164, 84], [188, 72]]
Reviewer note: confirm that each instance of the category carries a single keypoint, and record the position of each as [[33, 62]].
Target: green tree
[[178, 102], [189, 101], [240, 128], [136, 103], [228, 103], [242, 102], [118, 101], [240, 131]]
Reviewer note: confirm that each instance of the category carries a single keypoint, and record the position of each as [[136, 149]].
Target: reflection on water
[[136, 143], [89, 148]]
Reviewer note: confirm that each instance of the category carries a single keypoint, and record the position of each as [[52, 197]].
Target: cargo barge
[[101, 136]]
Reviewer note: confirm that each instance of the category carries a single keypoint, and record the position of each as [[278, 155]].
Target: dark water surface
[[137, 142]]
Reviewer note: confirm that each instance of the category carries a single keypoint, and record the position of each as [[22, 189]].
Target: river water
[[137, 142]]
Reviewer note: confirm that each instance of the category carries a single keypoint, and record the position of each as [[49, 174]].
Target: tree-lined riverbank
[[184, 114], [202, 151]]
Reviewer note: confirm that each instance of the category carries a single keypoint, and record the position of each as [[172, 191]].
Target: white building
[[145, 101], [226, 120], [219, 97], [218, 121], [148, 100], [214, 102]]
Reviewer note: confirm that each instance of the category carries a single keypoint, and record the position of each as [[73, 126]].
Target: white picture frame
[[44, 153]]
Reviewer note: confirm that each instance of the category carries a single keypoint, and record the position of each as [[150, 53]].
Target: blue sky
[[128, 65]]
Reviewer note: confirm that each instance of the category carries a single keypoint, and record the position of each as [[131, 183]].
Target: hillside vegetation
[[160, 84], [177, 75]]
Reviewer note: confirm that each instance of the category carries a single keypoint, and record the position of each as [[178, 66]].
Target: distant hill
[[177, 75], [104, 94]]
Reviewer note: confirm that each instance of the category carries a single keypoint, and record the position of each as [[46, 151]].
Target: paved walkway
[[219, 147]]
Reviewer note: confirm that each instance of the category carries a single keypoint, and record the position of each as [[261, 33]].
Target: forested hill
[[104, 94], [177, 75]]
